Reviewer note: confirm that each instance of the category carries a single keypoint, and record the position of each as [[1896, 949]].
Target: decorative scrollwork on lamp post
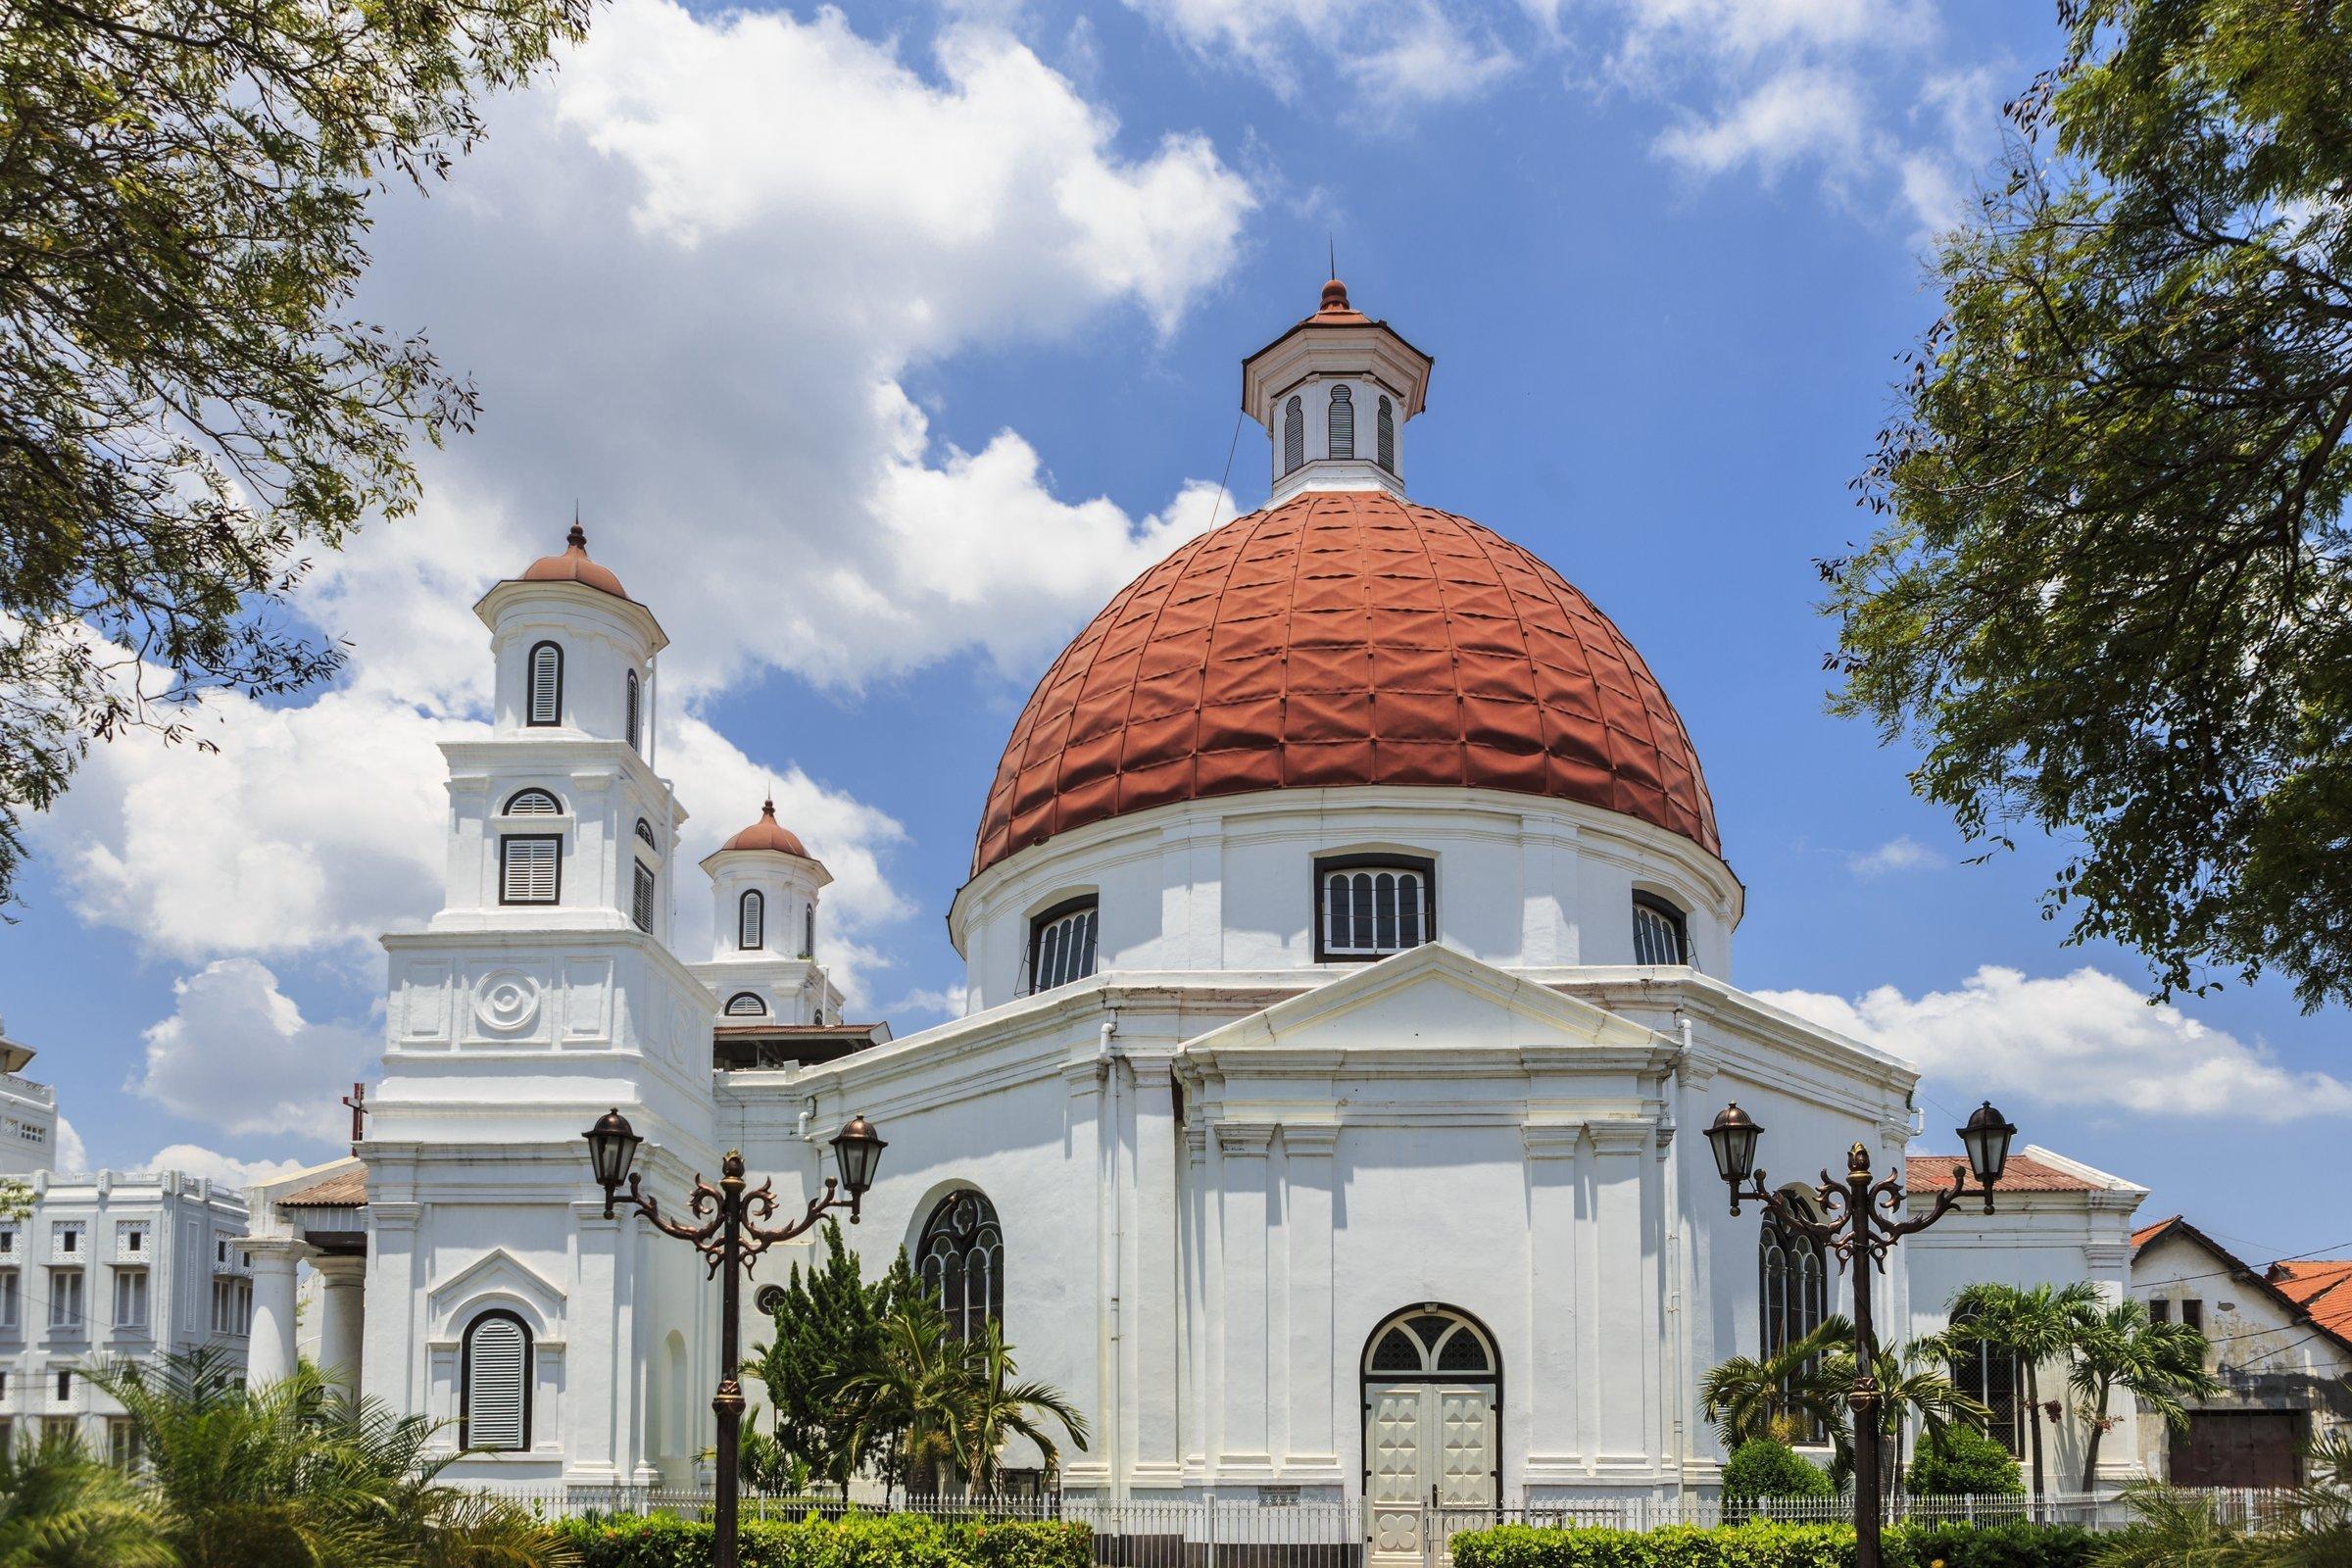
[[1858, 1228], [729, 1231]]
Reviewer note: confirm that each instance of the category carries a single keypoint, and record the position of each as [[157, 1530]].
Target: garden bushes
[[1763, 1543], [1763, 1468], [860, 1541]]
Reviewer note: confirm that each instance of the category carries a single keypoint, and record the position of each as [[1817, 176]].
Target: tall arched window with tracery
[[961, 1260], [1793, 1272], [1293, 435], [1340, 424]]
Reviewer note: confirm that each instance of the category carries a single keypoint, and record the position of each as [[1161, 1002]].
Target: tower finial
[[577, 539], [1332, 246]]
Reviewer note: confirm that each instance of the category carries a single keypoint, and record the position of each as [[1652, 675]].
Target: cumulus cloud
[[2082, 1039], [1902, 853], [194, 1159], [1805, 114], [1397, 51], [72, 1155], [238, 1055]]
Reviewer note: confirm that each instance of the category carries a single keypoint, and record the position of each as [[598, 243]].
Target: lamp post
[[1860, 1229], [729, 1237]]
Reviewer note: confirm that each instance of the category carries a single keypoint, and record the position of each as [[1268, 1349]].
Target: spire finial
[[577, 539], [1332, 247]]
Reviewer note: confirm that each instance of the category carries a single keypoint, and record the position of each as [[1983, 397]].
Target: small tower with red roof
[[1334, 393], [763, 895]]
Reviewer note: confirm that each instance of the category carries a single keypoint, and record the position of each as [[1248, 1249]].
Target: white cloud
[[1807, 114], [1902, 853], [1417, 51], [194, 1159], [72, 1155], [238, 1055], [950, 1002], [2084, 1038]]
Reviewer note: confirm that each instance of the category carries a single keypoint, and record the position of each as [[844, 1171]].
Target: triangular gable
[[1429, 995], [500, 1276]]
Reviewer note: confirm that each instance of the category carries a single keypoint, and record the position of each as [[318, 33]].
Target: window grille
[[534, 802], [1386, 435], [1293, 435], [750, 921], [961, 1261], [1369, 912], [1062, 946], [547, 685], [633, 708], [130, 1298], [1990, 1373], [1340, 423], [746, 1005], [496, 1411], [1792, 1279], [641, 897], [1658, 932], [528, 870]]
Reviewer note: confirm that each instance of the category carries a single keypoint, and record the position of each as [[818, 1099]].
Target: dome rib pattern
[[1342, 639]]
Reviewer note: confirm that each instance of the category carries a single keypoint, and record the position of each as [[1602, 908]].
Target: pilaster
[[1311, 1362], [1549, 1395], [1247, 1367]]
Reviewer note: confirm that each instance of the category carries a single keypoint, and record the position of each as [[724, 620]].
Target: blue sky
[[879, 347]]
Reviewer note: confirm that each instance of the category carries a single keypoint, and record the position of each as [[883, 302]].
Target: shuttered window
[[633, 711], [1369, 912], [533, 802], [528, 868], [744, 1005], [1340, 425], [497, 1411], [1658, 932], [809, 931], [1386, 435], [1062, 946], [750, 921], [641, 897], [547, 684], [1293, 435]]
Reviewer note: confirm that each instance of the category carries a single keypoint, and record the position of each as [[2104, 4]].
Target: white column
[[269, 1349], [342, 1317]]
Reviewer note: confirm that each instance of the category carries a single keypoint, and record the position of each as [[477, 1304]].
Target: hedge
[[860, 1540], [1760, 1467], [1766, 1545]]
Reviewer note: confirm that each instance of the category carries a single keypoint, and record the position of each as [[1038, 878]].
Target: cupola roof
[[768, 834], [573, 565]]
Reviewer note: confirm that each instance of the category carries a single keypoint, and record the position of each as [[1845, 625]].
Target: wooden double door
[[1432, 1434]]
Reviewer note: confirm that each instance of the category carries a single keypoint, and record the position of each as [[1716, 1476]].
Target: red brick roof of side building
[[2023, 1174], [2322, 1289]]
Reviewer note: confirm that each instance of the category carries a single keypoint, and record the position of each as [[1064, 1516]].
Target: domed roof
[[1343, 637], [766, 834], [573, 565]]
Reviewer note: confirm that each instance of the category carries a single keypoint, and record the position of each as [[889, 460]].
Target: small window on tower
[[547, 685], [1340, 431], [533, 802], [632, 710], [1660, 935], [641, 897], [644, 835], [809, 931], [750, 921], [1386, 435], [746, 1005], [1061, 945], [528, 869], [1368, 907], [1293, 435]]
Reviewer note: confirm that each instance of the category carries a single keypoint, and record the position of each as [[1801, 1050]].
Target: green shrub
[[1962, 1462], [1761, 1543], [1763, 1468], [860, 1540]]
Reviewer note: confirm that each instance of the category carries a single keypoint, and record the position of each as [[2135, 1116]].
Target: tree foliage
[[188, 398], [2034, 1323], [1788, 1394], [2109, 591], [60, 1508], [2122, 1350], [827, 1322]]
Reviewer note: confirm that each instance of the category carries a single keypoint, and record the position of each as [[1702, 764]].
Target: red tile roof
[[768, 834], [342, 1189], [2322, 1289], [1343, 638], [573, 565], [2023, 1174]]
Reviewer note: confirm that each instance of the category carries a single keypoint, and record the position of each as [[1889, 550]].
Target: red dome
[[766, 834], [573, 565], [1343, 638]]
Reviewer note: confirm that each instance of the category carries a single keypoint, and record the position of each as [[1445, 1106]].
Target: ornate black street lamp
[[729, 1238], [1857, 1232]]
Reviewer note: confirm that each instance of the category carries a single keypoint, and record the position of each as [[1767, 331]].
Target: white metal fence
[[1339, 1532]]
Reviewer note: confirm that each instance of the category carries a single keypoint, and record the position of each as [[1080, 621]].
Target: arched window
[[1340, 424], [644, 835], [746, 1005], [808, 929], [533, 802], [1368, 907], [1293, 435], [1386, 435], [962, 1260], [1061, 945], [547, 685], [1793, 1272], [494, 1405], [632, 710], [750, 919], [1660, 933]]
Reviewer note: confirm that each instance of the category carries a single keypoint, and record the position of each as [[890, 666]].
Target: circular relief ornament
[[507, 1000]]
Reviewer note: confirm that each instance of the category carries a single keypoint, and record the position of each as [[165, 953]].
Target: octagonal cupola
[[1334, 393], [763, 895], [574, 652]]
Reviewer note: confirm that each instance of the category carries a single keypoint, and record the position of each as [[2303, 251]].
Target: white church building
[[1350, 952]]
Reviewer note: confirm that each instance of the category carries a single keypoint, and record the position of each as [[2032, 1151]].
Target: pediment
[[499, 1277], [1430, 998]]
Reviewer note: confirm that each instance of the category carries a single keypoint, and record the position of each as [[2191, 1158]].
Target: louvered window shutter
[[497, 1364], [529, 870], [633, 711], [1340, 428], [1388, 435], [754, 911], [547, 684], [1293, 435], [641, 902]]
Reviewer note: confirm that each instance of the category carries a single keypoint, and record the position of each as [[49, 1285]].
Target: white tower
[[1334, 392], [764, 968], [501, 1299]]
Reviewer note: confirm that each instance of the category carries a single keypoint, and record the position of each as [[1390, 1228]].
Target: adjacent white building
[[27, 1113], [1349, 949]]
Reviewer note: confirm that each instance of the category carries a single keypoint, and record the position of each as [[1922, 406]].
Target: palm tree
[[991, 1407], [1798, 1385], [2160, 1364], [2034, 1323], [901, 1393], [1914, 1384], [60, 1508]]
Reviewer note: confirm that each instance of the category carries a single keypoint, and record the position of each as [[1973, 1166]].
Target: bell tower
[[763, 967], [1334, 393]]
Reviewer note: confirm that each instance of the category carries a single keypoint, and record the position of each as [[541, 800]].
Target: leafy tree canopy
[[2109, 592], [187, 397]]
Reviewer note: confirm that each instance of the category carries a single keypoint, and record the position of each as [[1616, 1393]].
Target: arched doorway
[[1432, 1427]]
